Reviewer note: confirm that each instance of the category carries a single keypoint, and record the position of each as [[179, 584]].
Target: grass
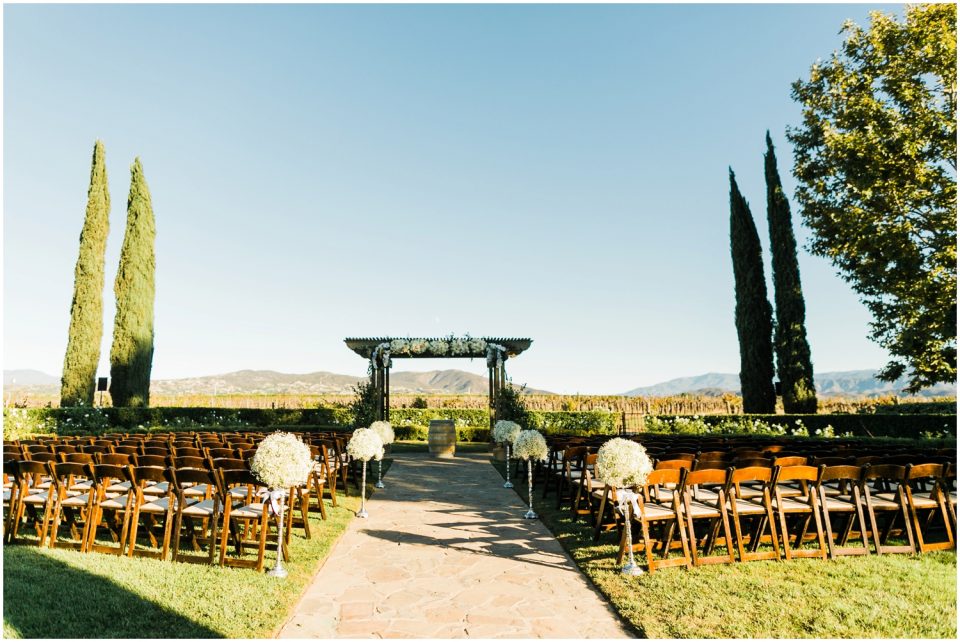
[[889, 596], [65, 594]]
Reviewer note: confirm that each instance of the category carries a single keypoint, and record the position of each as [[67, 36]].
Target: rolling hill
[[849, 383]]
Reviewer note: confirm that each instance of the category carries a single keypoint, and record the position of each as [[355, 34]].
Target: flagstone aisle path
[[446, 554]]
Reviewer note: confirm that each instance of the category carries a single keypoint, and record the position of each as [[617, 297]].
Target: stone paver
[[446, 554]]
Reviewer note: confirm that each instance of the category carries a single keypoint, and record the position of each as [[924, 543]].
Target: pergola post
[[386, 393], [490, 398]]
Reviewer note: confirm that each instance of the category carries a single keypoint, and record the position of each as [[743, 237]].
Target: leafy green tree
[[365, 405], [876, 163], [510, 405], [753, 314], [790, 333], [77, 386], [131, 356]]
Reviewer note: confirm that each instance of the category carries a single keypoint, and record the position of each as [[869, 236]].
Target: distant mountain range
[[852, 383], [270, 382]]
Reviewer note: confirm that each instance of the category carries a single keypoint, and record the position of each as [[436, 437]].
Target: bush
[[881, 425], [574, 424], [364, 407]]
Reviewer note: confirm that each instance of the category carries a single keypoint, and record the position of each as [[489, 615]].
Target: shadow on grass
[[90, 606]]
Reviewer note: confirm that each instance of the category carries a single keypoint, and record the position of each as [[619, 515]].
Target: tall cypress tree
[[131, 356], [790, 332], [77, 386], [753, 313]]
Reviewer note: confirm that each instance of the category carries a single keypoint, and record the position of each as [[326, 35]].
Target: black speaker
[[101, 384]]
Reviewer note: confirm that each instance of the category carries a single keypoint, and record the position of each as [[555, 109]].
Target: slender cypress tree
[[790, 333], [131, 356], [77, 386], [753, 313]]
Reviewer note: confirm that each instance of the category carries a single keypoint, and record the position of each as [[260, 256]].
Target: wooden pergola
[[380, 352]]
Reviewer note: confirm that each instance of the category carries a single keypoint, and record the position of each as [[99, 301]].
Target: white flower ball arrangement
[[399, 346], [365, 444], [418, 346], [477, 345], [384, 430], [531, 445], [282, 461], [622, 463], [505, 430], [459, 346]]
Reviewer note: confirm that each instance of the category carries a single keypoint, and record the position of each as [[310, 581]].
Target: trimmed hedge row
[[913, 426], [471, 424]]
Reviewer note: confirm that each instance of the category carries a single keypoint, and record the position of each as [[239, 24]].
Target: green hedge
[[19, 422], [471, 424], [913, 426]]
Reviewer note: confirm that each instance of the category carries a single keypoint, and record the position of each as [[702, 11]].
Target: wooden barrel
[[442, 438]]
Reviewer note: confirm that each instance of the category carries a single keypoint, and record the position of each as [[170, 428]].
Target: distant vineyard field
[[687, 404]]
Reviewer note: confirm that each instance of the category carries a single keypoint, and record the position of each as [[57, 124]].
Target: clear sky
[[318, 172]]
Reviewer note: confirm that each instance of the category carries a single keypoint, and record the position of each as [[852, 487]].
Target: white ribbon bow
[[273, 497], [626, 496]]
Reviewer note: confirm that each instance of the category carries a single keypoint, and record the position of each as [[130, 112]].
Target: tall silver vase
[[278, 570], [530, 514]]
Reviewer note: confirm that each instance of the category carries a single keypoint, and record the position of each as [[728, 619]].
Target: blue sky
[[318, 172]]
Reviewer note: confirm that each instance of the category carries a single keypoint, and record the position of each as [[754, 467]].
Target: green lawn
[[65, 594], [903, 596]]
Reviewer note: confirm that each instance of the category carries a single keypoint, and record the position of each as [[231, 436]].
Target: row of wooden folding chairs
[[756, 505], [324, 478], [216, 444], [165, 503]]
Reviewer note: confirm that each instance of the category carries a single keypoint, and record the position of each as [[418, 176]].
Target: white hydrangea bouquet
[[282, 461], [530, 446], [622, 463], [385, 431], [505, 432], [364, 445]]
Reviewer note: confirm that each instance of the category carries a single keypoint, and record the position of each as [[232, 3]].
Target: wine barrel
[[442, 438]]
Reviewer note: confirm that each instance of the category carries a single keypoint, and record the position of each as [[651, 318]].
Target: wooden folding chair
[[666, 514], [554, 467], [191, 508], [709, 505], [11, 495], [34, 498], [328, 454], [757, 509], [582, 502], [893, 504], [111, 509], [573, 466], [842, 500], [931, 502], [607, 516], [804, 506], [241, 514], [950, 491], [73, 500], [319, 474], [151, 506]]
